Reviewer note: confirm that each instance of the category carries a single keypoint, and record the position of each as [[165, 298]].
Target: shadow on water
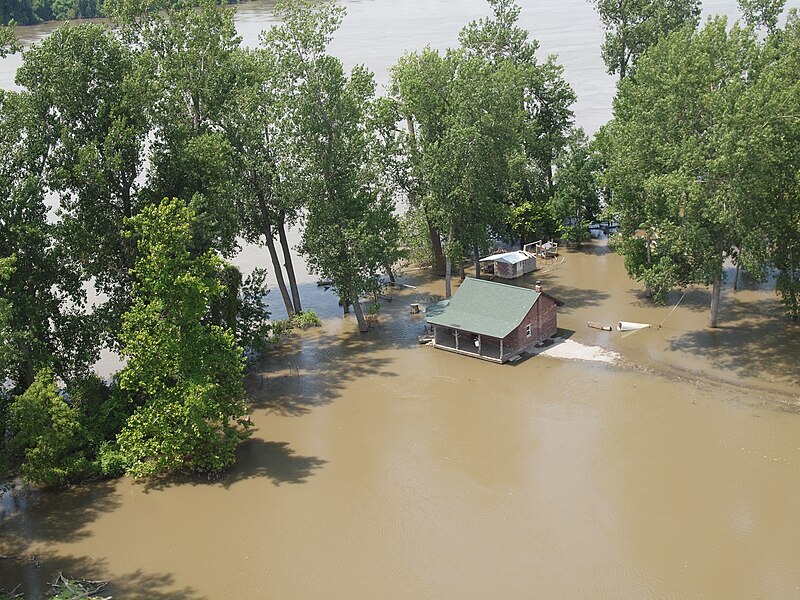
[[747, 342], [574, 298], [41, 519], [255, 458], [57, 516], [593, 249], [312, 369], [33, 579]]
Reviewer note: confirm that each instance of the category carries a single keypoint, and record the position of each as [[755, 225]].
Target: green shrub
[[306, 319], [47, 433], [110, 462]]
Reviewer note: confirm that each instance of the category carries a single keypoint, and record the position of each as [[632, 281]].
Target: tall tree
[[260, 129], [191, 55], [486, 125], [632, 26], [669, 165], [183, 374], [89, 101], [763, 143], [41, 292], [350, 228], [421, 84], [762, 13]]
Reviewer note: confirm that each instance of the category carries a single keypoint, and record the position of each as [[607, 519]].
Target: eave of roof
[[484, 307]]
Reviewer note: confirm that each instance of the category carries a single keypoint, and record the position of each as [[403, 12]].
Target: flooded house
[[493, 321], [510, 265]]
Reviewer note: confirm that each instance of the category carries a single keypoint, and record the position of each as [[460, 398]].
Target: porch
[[471, 344]]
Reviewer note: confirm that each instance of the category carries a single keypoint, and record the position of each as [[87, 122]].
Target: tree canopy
[[632, 26]]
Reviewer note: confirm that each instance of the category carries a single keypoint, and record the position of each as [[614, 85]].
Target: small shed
[[493, 321], [510, 265]]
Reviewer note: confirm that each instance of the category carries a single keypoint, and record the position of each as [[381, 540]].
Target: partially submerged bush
[[305, 320]]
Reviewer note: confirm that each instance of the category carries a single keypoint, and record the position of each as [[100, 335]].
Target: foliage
[[576, 202], [8, 41], [632, 26], [46, 430], [251, 324], [183, 375], [487, 123], [28, 12], [42, 322], [87, 101], [305, 320], [671, 164], [190, 55], [414, 237], [531, 220], [762, 13], [702, 158], [267, 194], [350, 229], [764, 147]]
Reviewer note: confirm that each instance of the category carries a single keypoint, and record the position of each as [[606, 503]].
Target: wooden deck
[[486, 348]]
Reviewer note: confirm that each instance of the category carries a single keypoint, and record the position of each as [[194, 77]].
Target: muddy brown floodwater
[[384, 469]]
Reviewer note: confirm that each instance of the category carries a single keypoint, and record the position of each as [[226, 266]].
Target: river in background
[[383, 469]]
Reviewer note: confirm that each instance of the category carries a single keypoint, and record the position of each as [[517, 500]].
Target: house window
[[528, 330]]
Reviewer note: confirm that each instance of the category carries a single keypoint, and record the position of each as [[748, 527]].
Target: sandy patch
[[576, 351]]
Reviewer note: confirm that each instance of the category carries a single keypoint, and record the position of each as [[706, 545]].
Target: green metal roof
[[484, 307]]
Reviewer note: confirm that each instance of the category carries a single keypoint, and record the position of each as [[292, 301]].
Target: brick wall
[[543, 319]]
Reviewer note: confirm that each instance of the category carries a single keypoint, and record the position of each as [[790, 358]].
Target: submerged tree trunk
[[287, 262], [716, 290], [389, 273], [436, 248], [276, 266], [447, 282], [362, 322]]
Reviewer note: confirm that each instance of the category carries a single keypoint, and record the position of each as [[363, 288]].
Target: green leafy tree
[[670, 167], [191, 56], [19, 11], [183, 374], [261, 131], [88, 99], [764, 142], [485, 127], [47, 432], [576, 201], [350, 229], [632, 26], [41, 291], [8, 40], [762, 13], [463, 117]]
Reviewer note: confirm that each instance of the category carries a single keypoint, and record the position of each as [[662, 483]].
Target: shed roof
[[485, 307], [511, 258]]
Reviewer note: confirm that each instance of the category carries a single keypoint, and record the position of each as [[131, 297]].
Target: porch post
[[456, 334], [480, 346], [501, 348]]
